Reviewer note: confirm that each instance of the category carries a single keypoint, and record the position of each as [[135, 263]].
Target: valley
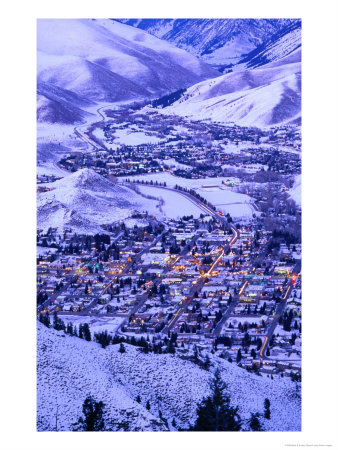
[[168, 222]]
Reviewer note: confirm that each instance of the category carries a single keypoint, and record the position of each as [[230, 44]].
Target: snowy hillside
[[84, 200], [69, 369], [279, 46], [219, 42], [104, 60], [259, 97]]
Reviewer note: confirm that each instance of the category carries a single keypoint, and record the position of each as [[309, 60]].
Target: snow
[[172, 180], [175, 204], [260, 97], [41, 251], [96, 324], [128, 137], [236, 204], [235, 320], [105, 60], [69, 369], [85, 200], [296, 191]]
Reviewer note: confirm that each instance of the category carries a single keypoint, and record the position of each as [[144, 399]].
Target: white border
[[18, 223]]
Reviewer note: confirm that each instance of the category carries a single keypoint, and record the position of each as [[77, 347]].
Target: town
[[189, 286], [198, 149]]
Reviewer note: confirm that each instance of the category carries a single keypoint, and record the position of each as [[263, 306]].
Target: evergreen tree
[[148, 405], [267, 412], [207, 363], [44, 319], [254, 423], [58, 324], [86, 332], [93, 413], [239, 356], [122, 348], [214, 413], [171, 347], [70, 329], [138, 399], [47, 320]]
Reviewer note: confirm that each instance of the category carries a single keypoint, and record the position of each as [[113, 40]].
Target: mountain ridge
[[101, 60], [223, 43]]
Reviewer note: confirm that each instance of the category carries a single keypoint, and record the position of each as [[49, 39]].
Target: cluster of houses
[[199, 149], [189, 277]]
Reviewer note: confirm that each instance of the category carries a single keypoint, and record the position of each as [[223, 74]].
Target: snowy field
[[41, 251], [237, 205], [172, 180], [128, 137], [223, 197], [96, 324], [296, 191], [175, 205]]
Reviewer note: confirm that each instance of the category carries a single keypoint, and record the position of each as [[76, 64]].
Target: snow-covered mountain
[[279, 46], [261, 97], [107, 61], [219, 42], [69, 369], [85, 200], [57, 105]]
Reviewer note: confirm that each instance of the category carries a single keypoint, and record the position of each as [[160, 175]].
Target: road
[[48, 302], [197, 287], [83, 137], [199, 284]]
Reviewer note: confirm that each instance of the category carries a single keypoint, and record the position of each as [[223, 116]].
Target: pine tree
[[58, 324], [239, 356], [148, 405], [86, 332], [171, 347], [138, 399], [254, 423], [267, 412], [214, 413], [93, 413], [70, 329], [207, 362], [122, 348]]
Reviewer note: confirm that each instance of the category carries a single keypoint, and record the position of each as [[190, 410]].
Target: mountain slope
[[284, 43], [84, 200], [69, 369], [265, 96], [57, 105], [103, 60], [219, 42]]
